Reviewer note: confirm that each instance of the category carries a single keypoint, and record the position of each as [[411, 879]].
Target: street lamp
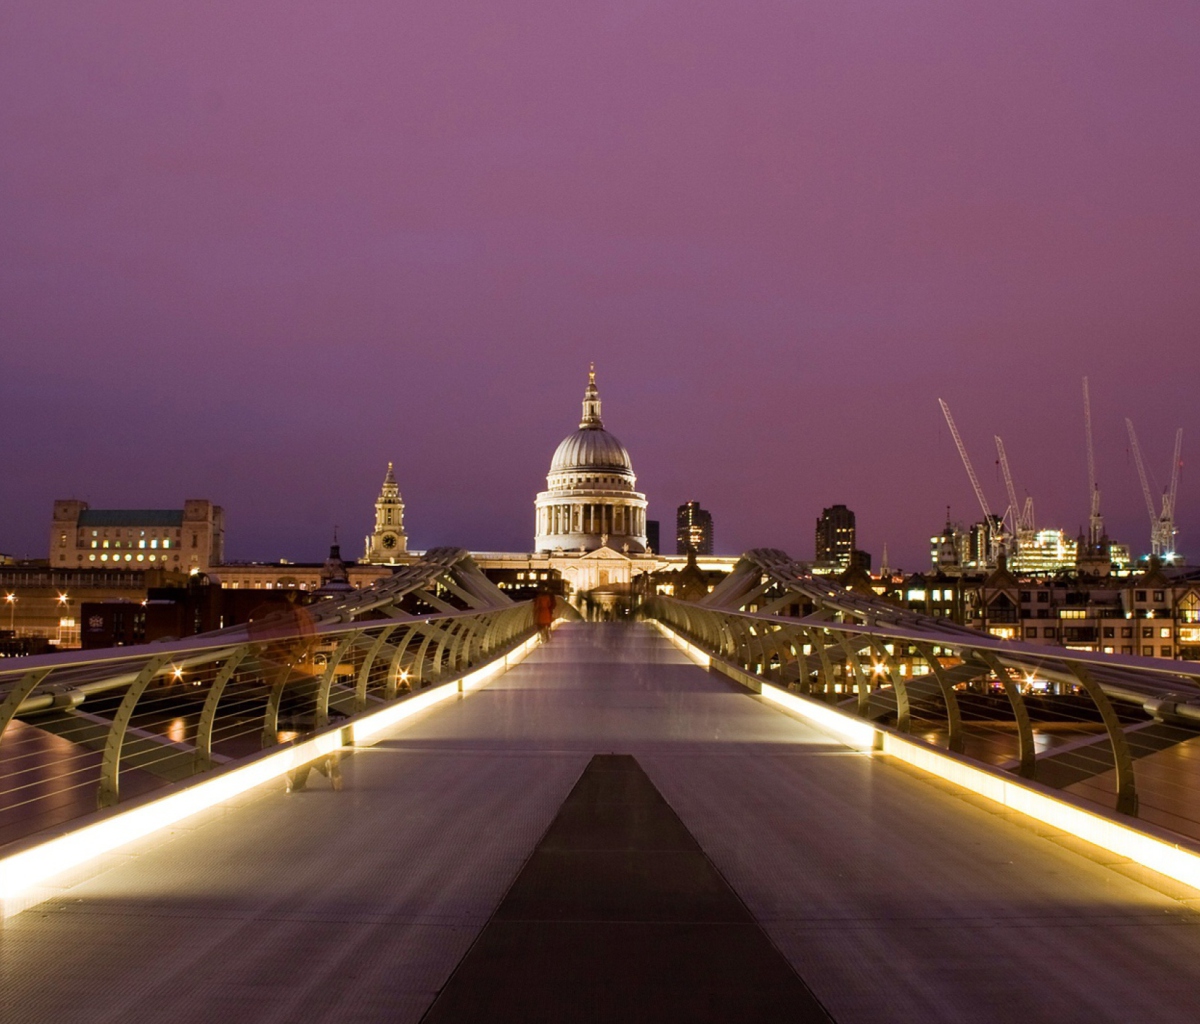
[[62, 599], [12, 612]]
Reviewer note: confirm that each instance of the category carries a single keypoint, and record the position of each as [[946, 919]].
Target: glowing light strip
[[22, 872], [854, 732], [700, 657], [1150, 851]]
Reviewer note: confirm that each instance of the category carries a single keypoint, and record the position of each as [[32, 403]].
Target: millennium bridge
[[784, 801]]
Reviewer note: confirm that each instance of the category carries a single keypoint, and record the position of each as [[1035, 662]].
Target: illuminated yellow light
[[176, 671], [852, 731], [62, 599], [22, 873], [1149, 851], [700, 657], [878, 669]]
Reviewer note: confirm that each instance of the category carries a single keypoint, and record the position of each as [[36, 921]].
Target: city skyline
[[348, 525], [256, 266]]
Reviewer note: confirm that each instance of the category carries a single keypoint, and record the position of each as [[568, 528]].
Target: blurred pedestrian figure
[[543, 613], [330, 766]]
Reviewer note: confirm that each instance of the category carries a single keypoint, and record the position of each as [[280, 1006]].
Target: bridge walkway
[[892, 896]]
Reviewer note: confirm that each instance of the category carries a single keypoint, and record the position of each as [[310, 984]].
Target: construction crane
[[1095, 520], [1166, 522], [1162, 524], [1020, 520], [988, 519]]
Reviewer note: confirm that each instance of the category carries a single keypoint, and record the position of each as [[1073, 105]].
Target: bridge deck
[[892, 897]]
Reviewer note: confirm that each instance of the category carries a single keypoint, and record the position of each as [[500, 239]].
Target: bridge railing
[[86, 729], [1115, 732]]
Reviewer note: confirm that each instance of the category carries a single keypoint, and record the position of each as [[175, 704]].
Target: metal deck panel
[[894, 897]]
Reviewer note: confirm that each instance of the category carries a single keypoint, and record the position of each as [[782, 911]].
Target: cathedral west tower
[[389, 541]]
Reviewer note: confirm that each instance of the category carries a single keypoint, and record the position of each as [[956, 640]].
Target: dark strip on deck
[[620, 916]]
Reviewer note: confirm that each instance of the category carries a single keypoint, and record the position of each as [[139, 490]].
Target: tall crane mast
[[1156, 534], [1095, 520], [1017, 520], [1166, 521], [989, 520]]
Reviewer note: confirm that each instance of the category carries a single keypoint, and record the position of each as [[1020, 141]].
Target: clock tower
[[388, 543]]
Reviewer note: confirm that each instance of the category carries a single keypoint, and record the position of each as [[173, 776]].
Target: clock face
[[389, 541]]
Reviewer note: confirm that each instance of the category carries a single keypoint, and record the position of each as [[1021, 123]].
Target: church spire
[[591, 403]]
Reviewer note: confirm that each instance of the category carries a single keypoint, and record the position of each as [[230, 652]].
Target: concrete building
[[835, 536], [190, 539], [693, 529]]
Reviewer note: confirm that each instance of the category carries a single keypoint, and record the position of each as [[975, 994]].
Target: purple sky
[[253, 251]]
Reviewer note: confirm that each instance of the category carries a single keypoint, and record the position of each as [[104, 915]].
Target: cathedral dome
[[590, 501], [590, 448]]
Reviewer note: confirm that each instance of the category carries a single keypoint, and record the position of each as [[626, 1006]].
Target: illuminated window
[[154, 543], [166, 542], [1164, 632]]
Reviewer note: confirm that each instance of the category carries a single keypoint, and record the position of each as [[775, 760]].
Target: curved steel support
[[1028, 758], [110, 765], [819, 645], [954, 724], [417, 674], [321, 712], [899, 686], [22, 688], [364, 673], [270, 733], [395, 668], [862, 680], [208, 715], [1127, 798]]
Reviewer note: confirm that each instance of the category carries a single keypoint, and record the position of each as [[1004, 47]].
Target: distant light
[[10, 598], [176, 671], [62, 598]]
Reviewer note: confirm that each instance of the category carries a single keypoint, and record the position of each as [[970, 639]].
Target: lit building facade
[[590, 502], [693, 529], [835, 536], [191, 539]]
